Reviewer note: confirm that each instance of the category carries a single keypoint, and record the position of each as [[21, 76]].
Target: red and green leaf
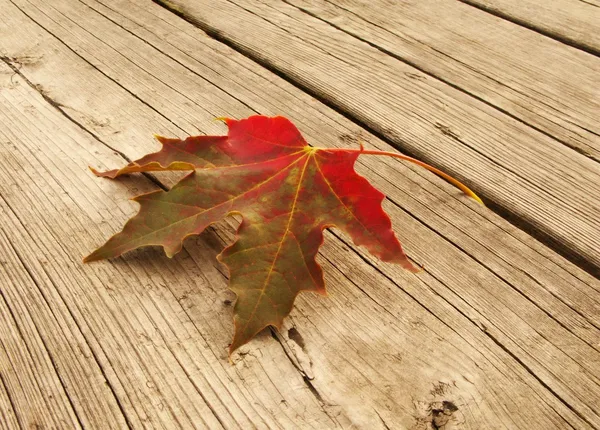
[[287, 193]]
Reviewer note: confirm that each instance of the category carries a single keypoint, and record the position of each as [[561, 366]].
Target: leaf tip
[[477, 199], [223, 119], [110, 174], [94, 171], [171, 251], [233, 346], [90, 258], [160, 138]]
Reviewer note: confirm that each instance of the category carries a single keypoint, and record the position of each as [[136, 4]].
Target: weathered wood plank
[[546, 187], [379, 348], [520, 72], [8, 414], [574, 22]]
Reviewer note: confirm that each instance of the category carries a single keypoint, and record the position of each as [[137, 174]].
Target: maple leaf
[[287, 193]]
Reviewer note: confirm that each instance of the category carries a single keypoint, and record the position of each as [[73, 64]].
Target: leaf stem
[[438, 172]]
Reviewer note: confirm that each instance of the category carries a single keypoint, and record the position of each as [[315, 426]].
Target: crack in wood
[[551, 34], [307, 381], [11, 400]]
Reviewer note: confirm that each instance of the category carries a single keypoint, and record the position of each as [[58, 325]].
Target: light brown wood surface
[[498, 326], [571, 21]]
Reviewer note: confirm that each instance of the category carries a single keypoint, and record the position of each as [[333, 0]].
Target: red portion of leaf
[[287, 193]]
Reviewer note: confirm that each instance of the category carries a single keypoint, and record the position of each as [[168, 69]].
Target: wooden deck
[[501, 329]]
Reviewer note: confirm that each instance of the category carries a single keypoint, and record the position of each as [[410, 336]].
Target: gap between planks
[[570, 29]]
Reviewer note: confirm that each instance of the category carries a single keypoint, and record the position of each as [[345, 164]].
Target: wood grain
[[31, 386], [574, 22], [529, 177], [8, 413], [548, 85], [498, 325]]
